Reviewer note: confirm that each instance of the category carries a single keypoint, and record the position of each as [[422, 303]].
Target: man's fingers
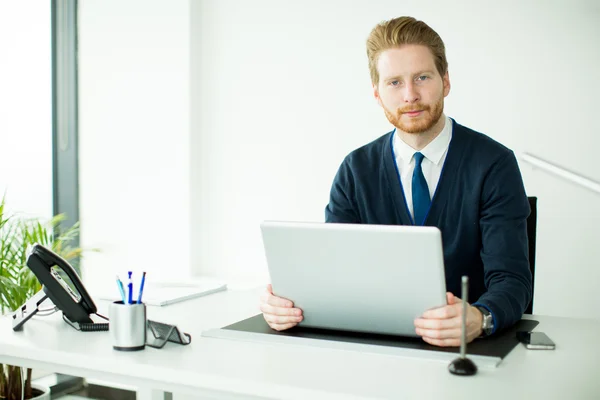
[[278, 301], [443, 326], [264, 297], [443, 342], [285, 311], [448, 323], [439, 333], [273, 322], [268, 297], [449, 311], [279, 312], [452, 299], [282, 327], [268, 292], [447, 341], [281, 319]]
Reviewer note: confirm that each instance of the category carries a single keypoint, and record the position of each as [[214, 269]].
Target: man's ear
[[376, 94], [446, 81]]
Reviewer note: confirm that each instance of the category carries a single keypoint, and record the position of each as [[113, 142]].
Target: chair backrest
[[531, 233]]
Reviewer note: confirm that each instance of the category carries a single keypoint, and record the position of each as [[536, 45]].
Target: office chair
[[531, 233]]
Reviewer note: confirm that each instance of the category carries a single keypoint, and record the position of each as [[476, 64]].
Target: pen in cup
[[121, 290], [129, 289], [139, 300]]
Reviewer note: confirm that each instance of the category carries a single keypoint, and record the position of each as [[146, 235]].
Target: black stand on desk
[[28, 310], [463, 366]]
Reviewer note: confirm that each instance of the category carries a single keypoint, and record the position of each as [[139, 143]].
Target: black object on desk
[[462, 365], [161, 333], [63, 286], [497, 345]]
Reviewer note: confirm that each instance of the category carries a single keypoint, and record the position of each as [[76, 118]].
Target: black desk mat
[[498, 345]]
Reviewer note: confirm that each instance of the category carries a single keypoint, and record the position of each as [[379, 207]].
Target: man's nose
[[411, 94]]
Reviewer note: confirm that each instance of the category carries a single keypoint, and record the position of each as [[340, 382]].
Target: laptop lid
[[357, 277]]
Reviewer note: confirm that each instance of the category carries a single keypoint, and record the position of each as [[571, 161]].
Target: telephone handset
[[62, 285]]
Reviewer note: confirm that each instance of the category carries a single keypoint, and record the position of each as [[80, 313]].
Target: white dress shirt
[[433, 162]]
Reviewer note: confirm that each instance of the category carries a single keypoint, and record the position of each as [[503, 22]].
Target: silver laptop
[[362, 278]]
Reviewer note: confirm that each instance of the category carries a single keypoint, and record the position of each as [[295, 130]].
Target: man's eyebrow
[[424, 72], [398, 77]]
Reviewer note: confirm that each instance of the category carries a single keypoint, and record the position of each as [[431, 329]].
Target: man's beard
[[430, 116]]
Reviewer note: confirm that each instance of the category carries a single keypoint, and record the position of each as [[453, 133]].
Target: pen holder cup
[[127, 326]]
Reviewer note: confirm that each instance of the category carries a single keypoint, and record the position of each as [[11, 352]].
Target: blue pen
[[141, 288], [121, 290], [130, 289]]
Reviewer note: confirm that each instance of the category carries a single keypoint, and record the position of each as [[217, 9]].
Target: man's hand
[[442, 326], [279, 312]]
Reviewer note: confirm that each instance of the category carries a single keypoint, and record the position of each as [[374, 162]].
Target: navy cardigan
[[479, 205]]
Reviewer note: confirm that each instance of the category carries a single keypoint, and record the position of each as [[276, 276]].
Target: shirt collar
[[434, 151]]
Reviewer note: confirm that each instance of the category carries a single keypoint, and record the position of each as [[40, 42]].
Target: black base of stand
[[28, 310], [462, 366]]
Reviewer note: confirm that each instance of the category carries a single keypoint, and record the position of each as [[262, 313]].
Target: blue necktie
[[420, 192]]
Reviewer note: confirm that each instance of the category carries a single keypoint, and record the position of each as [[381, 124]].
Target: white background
[[134, 124], [200, 119], [26, 108]]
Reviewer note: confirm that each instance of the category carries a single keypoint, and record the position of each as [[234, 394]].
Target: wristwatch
[[487, 326]]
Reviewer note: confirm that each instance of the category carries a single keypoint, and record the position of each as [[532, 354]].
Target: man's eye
[[394, 83], [423, 77]]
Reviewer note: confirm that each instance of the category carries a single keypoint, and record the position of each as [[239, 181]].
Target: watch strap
[[487, 326]]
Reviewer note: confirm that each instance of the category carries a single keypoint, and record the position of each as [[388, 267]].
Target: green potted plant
[[18, 283]]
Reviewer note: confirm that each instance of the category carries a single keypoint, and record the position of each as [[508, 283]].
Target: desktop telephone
[[62, 285]]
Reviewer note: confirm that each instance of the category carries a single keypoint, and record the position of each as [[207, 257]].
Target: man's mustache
[[413, 108]]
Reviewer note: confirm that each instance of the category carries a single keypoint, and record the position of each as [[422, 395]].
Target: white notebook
[[165, 293]]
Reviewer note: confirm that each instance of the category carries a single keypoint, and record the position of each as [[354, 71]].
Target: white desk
[[222, 369]]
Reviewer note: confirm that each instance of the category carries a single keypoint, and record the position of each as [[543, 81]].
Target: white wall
[[134, 137], [200, 119], [559, 125], [26, 108], [281, 92]]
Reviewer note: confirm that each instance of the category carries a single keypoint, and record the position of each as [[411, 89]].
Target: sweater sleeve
[[342, 204], [503, 225]]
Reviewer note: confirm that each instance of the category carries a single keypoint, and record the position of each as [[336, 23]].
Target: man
[[433, 171]]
